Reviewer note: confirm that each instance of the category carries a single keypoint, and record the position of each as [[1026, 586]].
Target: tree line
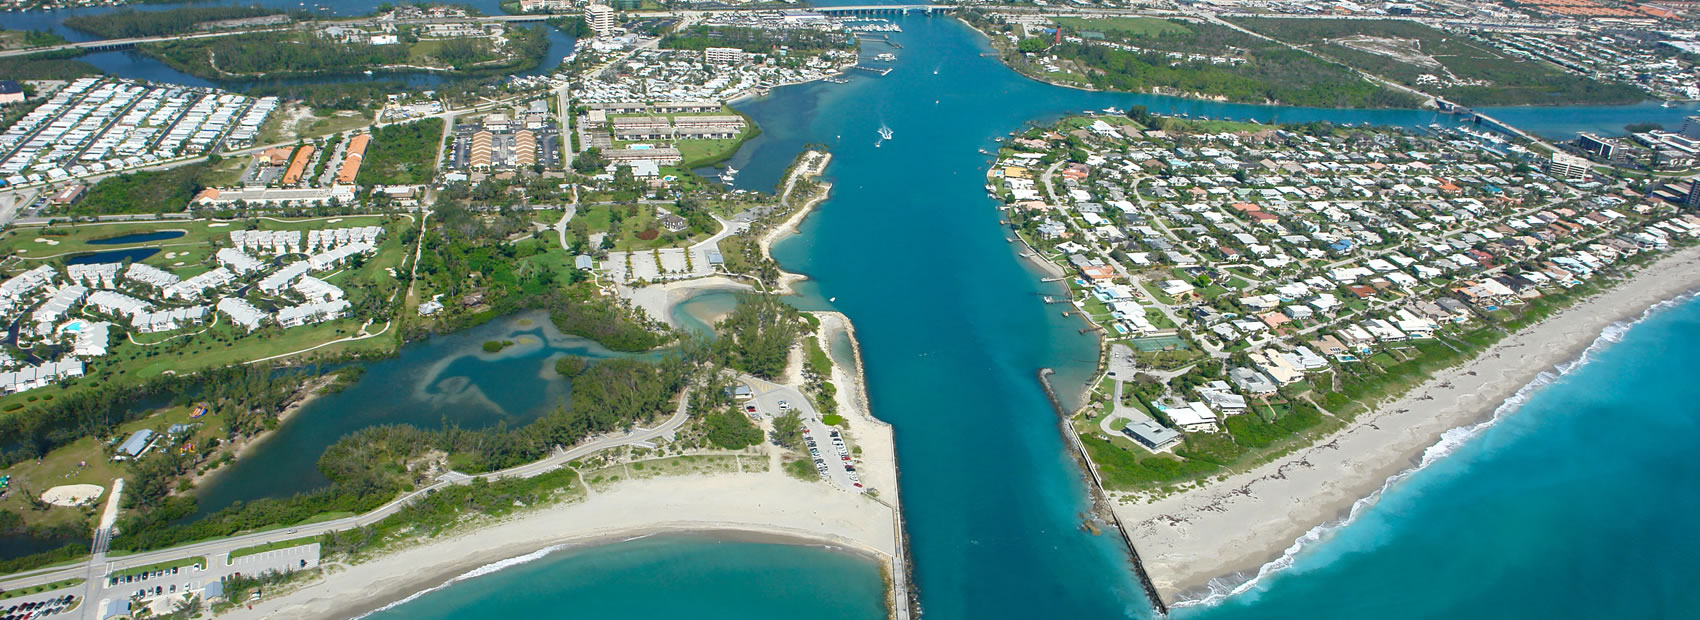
[[755, 40], [130, 23]]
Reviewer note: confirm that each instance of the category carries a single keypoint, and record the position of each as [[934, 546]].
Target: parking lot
[[825, 445], [174, 583], [57, 603]]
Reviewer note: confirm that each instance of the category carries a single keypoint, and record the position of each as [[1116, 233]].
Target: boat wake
[[481, 571], [1227, 586]]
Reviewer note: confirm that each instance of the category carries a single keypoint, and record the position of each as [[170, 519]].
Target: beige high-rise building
[[600, 17]]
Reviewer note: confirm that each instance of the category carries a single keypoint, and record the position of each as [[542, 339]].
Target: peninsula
[[1291, 315]]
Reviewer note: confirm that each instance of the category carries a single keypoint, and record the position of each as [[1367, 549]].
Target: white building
[[238, 261], [242, 313], [312, 312], [277, 282]]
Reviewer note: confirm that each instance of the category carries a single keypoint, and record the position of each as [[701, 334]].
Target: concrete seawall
[[1100, 501]]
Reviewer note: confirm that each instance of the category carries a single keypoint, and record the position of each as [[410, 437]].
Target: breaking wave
[[1221, 588]]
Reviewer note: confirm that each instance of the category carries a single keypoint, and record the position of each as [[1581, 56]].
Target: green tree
[[731, 430], [788, 430]]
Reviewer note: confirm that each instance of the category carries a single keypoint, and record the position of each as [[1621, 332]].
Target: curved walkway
[[364, 336]]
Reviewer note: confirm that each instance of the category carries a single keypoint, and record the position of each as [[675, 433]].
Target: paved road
[[95, 570], [131, 41]]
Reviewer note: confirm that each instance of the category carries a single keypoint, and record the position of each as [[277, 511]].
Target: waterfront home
[[1155, 437], [1272, 363], [1193, 417], [1251, 381]]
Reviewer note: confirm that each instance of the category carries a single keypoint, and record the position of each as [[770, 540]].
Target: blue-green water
[[1578, 504], [446, 380], [667, 577], [953, 333]]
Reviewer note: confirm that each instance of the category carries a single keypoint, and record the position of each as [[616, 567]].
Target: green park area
[[1127, 26]]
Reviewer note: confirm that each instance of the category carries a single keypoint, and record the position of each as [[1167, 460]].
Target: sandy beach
[[658, 300], [769, 504], [789, 226], [879, 448], [1209, 540]]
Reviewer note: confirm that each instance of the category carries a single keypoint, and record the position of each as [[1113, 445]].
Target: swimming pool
[[72, 327]]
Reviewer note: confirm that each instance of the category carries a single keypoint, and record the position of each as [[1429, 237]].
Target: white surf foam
[[481, 571], [1231, 585]]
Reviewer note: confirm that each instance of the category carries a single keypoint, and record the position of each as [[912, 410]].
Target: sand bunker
[[73, 494]]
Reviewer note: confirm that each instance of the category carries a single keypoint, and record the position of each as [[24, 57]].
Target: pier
[[880, 71]]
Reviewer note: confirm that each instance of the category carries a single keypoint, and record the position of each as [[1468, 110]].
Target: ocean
[[1577, 502], [673, 576]]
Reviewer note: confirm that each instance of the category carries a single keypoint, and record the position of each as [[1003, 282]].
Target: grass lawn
[[1157, 293], [85, 462], [82, 462], [46, 587], [1201, 126], [336, 122], [227, 172], [697, 153], [221, 343], [599, 218], [38, 242], [1130, 26], [198, 560], [273, 546]]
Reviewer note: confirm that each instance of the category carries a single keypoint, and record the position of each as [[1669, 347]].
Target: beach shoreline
[[809, 168], [1203, 543], [659, 301], [769, 506]]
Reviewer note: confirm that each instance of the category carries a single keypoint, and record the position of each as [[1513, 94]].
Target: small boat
[[368, 72]]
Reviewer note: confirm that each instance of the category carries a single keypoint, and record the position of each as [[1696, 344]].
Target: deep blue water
[[1560, 496], [158, 235], [112, 256]]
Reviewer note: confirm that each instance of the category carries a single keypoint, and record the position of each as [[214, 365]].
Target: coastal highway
[[98, 567]]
